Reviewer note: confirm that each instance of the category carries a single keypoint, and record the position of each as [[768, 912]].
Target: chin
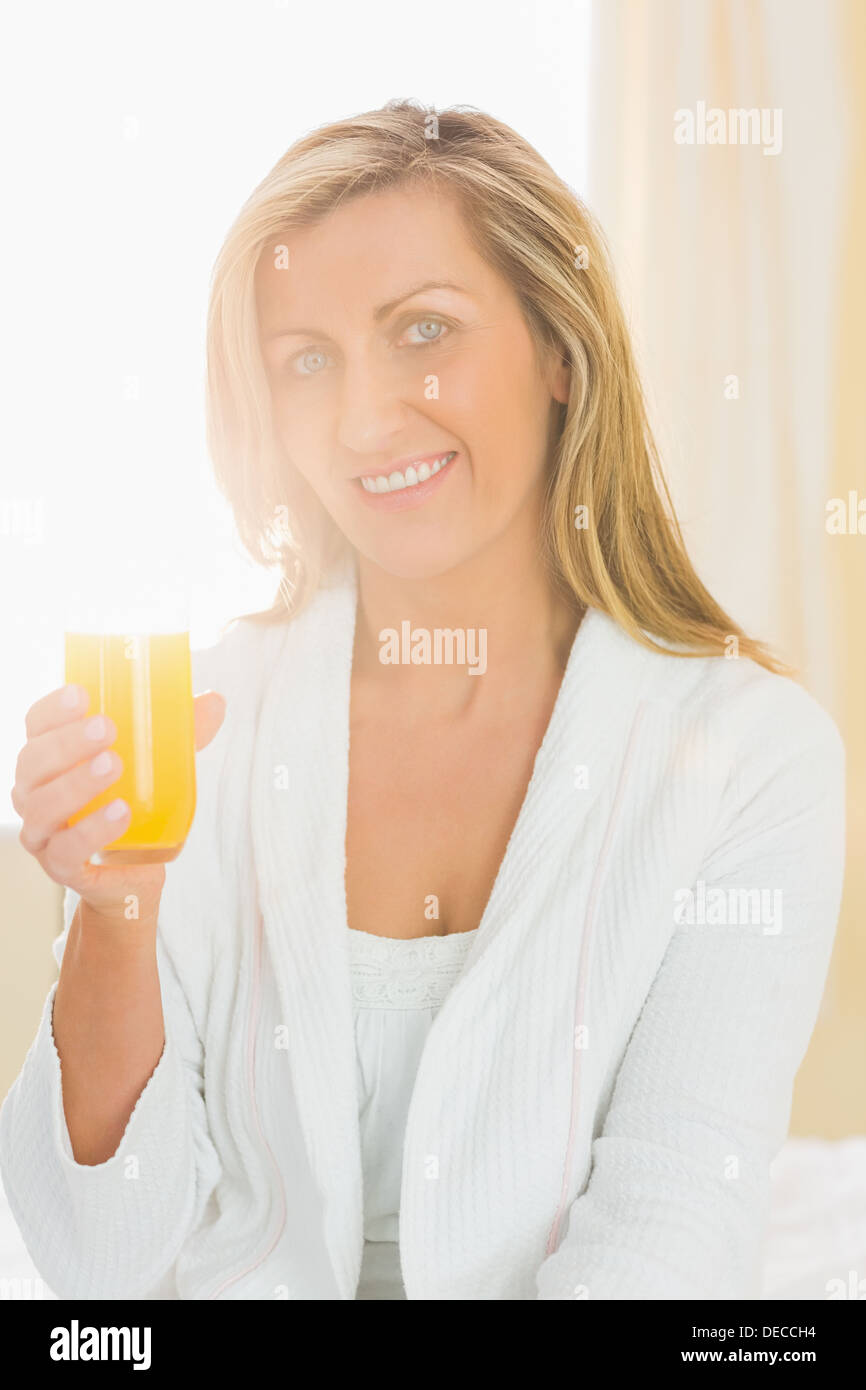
[[414, 561]]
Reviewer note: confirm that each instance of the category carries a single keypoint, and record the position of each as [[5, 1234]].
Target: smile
[[409, 487], [396, 481]]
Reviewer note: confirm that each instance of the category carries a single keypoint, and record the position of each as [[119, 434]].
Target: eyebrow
[[378, 314]]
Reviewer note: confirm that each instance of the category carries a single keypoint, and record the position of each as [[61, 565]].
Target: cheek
[[300, 431], [493, 400], [292, 416]]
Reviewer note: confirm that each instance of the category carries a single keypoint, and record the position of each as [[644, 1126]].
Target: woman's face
[[375, 378]]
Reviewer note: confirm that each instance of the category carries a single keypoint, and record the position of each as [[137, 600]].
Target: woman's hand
[[66, 761]]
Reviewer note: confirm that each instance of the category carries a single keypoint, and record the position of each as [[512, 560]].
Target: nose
[[370, 411]]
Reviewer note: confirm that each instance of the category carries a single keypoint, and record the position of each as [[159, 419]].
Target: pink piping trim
[[589, 921], [251, 1087]]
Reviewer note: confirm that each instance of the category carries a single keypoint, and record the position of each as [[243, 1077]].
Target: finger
[[48, 755], [64, 856], [62, 705], [49, 807], [209, 710]]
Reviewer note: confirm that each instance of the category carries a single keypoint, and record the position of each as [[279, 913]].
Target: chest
[[430, 812]]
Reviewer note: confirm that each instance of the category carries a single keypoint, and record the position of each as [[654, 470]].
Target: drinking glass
[[133, 659]]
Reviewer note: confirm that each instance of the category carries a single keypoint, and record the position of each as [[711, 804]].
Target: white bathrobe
[[602, 1093]]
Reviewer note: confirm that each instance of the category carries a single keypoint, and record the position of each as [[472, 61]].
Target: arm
[[678, 1195], [108, 1028], [110, 1229]]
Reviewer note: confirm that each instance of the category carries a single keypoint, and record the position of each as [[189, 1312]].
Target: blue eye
[[309, 352], [436, 323]]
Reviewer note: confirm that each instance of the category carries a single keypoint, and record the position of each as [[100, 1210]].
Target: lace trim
[[389, 973]]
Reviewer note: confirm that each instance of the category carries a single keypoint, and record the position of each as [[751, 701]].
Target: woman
[[504, 920]]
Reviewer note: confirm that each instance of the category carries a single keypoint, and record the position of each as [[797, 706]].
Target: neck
[[504, 593]]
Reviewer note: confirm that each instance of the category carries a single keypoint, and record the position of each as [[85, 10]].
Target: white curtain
[[742, 271]]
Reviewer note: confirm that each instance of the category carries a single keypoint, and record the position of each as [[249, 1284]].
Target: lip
[[407, 497]]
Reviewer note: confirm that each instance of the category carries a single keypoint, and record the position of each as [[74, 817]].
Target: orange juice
[[143, 682]]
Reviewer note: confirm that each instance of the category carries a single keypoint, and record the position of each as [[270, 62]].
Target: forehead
[[364, 253]]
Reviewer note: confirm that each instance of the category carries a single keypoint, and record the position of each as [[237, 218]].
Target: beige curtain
[[741, 262]]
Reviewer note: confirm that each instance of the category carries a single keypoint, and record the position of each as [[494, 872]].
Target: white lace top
[[398, 987]]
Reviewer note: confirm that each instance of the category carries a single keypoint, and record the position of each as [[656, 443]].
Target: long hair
[[610, 536]]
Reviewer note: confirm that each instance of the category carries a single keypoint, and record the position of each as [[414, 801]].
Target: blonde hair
[[630, 561]]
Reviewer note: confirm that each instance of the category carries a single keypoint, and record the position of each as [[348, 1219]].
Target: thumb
[[209, 710]]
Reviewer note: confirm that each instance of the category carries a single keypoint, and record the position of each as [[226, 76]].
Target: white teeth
[[396, 481]]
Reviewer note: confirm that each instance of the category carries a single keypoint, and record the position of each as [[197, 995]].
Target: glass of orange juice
[[134, 662]]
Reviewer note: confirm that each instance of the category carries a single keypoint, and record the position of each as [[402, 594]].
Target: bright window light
[[126, 160]]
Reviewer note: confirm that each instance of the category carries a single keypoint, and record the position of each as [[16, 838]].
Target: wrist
[[110, 931]]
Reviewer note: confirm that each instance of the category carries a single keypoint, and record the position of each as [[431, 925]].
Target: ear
[[558, 376], [561, 383]]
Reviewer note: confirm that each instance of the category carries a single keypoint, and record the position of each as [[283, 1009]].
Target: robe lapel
[[574, 776], [299, 821], [549, 884]]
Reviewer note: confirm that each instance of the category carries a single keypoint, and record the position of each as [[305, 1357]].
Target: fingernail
[[101, 764], [116, 809], [95, 727], [71, 696]]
